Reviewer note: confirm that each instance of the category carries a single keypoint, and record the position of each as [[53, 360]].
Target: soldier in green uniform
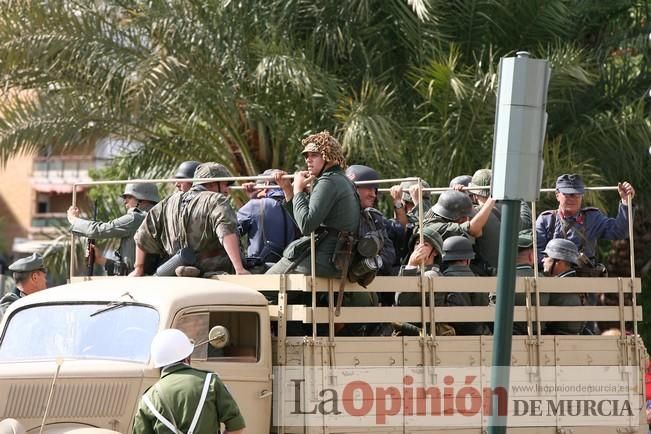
[[405, 202], [428, 254], [457, 254], [200, 219], [561, 259], [331, 207], [185, 400], [524, 268], [138, 199], [453, 215], [30, 276]]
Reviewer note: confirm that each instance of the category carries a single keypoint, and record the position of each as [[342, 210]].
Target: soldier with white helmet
[[185, 399], [561, 259], [138, 199]]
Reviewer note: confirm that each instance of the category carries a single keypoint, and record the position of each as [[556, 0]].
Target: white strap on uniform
[[204, 393], [197, 413]]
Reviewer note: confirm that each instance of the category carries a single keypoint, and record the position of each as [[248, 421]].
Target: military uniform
[[268, 226], [487, 247], [465, 299], [123, 227], [177, 398], [584, 229], [6, 301], [564, 299], [520, 328], [30, 263], [331, 207], [414, 298], [198, 219]]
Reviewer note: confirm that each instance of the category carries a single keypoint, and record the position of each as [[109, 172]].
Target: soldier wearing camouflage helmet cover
[[138, 200], [201, 219], [330, 209], [185, 171], [457, 254], [561, 259]]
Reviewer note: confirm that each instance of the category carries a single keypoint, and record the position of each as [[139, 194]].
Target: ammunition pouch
[[185, 256]]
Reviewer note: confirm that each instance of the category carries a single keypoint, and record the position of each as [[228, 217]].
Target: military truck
[[77, 356]]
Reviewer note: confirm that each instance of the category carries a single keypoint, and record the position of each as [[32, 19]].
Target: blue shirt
[[591, 222], [265, 220]]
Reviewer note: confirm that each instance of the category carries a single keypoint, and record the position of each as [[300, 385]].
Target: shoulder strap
[[202, 400], [159, 416], [552, 226]]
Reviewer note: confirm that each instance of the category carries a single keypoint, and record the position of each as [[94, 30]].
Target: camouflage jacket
[[198, 219]]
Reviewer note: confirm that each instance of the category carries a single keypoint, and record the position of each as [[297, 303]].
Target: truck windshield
[[47, 332]]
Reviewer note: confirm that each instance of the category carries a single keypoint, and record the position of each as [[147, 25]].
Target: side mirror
[[219, 337]]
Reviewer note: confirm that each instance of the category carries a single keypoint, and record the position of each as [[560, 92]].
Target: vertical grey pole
[[503, 332]]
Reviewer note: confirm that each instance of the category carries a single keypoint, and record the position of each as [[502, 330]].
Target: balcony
[[56, 174]]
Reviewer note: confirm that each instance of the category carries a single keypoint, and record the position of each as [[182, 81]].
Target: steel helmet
[[453, 205], [461, 179], [211, 170], [170, 346], [406, 197], [457, 247], [481, 178], [359, 172], [562, 250], [186, 169], [431, 236], [142, 192]]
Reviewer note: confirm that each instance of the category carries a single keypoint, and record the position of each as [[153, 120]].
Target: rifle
[[90, 244]]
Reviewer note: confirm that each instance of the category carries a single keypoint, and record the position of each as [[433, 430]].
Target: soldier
[[524, 268], [453, 214], [265, 222], [429, 255], [185, 399], [457, 254], [486, 246], [405, 202], [185, 171], [561, 258], [138, 199], [331, 207], [30, 276], [200, 219], [458, 182], [583, 226]]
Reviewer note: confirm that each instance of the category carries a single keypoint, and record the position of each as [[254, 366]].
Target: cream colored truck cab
[[77, 356]]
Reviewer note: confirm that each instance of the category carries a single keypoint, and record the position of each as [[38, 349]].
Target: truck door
[[244, 364]]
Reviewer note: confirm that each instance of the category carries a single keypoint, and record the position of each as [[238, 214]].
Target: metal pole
[[504, 310]]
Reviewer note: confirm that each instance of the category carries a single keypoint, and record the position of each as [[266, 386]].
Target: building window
[[42, 203]]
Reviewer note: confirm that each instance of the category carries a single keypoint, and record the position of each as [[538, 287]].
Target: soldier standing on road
[[201, 219], [185, 399], [583, 226], [561, 258], [30, 276], [138, 199], [185, 171]]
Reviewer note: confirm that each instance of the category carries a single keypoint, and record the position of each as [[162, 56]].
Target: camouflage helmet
[[431, 236], [525, 239], [562, 250], [481, 178], [461, 179], [456, 248], [359, 172], [211, 170], [186, 169], [406, 197], [142, 192], [326, 145], [453, 205]]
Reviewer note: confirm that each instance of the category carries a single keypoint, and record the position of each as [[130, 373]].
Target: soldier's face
[[130, 201], [182, 186], [367, 196], [314, 162], [569, 203]]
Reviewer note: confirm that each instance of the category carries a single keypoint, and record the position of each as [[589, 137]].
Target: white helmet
[[170, 346]]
